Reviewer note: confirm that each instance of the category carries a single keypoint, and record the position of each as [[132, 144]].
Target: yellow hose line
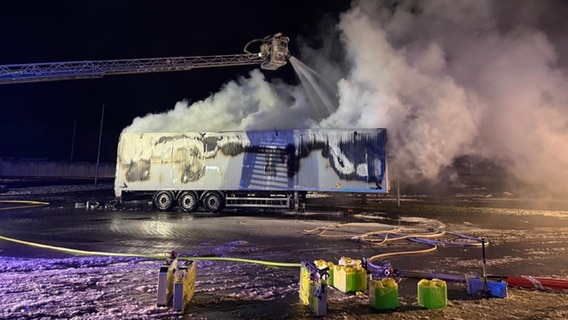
[[261, 262], [26, 204], [80, 252], [321, 230], [149, 256], [30, 203]]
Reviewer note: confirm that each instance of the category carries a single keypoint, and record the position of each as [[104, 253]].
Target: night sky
[[448, 79], [37, 120]]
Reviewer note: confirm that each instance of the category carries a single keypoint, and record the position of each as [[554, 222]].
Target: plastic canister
[[383, 294], [321, 264], [349, 279], [344, 279], [432, 294], [346, 261], [496, 289], [304, 284], [362, 279]]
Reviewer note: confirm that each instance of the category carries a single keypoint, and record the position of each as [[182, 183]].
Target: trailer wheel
[[163, 200], [213, 202], [188, 201]]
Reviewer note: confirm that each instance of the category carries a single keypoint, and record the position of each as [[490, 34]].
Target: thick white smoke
[[445, 77], [248, 103], [448, 78]]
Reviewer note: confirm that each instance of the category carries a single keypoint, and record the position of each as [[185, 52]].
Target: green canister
[[383, 294], [432, 294]]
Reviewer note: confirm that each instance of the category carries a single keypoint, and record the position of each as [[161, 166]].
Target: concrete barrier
[[15, 168]]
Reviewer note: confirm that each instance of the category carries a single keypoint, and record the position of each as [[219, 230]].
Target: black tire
[[163, 200], [188, 201], [213, 202]]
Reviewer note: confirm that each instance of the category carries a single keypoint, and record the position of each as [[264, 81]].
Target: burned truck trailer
[[261, 168]]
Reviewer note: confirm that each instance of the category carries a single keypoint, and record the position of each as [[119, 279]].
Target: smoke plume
[[445, 77]]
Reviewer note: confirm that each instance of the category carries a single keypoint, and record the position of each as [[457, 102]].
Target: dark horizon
[[445, 78], [38, 119]]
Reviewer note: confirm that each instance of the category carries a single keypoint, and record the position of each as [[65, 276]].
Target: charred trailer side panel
[[268, 168]]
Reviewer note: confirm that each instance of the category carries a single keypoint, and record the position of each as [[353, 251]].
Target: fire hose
[[27, 204], [374, 237]]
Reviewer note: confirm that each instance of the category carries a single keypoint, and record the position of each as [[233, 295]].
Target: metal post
[[397, 189], [73, 140], [100, 139], [484, 266]]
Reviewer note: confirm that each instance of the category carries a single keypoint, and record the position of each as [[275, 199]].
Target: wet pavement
[[521, 242]]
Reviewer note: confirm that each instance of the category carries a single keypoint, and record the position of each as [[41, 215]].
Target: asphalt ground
[[524, 238]]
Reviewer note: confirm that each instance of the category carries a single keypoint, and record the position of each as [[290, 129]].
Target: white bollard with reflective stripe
[[184, 285], [166, 282]]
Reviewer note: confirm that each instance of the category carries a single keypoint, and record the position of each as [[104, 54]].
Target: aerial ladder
[[273, 54]]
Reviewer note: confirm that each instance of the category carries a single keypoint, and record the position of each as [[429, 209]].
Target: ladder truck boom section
[[272, 55]]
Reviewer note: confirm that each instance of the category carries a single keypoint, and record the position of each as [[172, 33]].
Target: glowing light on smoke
[[446, 78]]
